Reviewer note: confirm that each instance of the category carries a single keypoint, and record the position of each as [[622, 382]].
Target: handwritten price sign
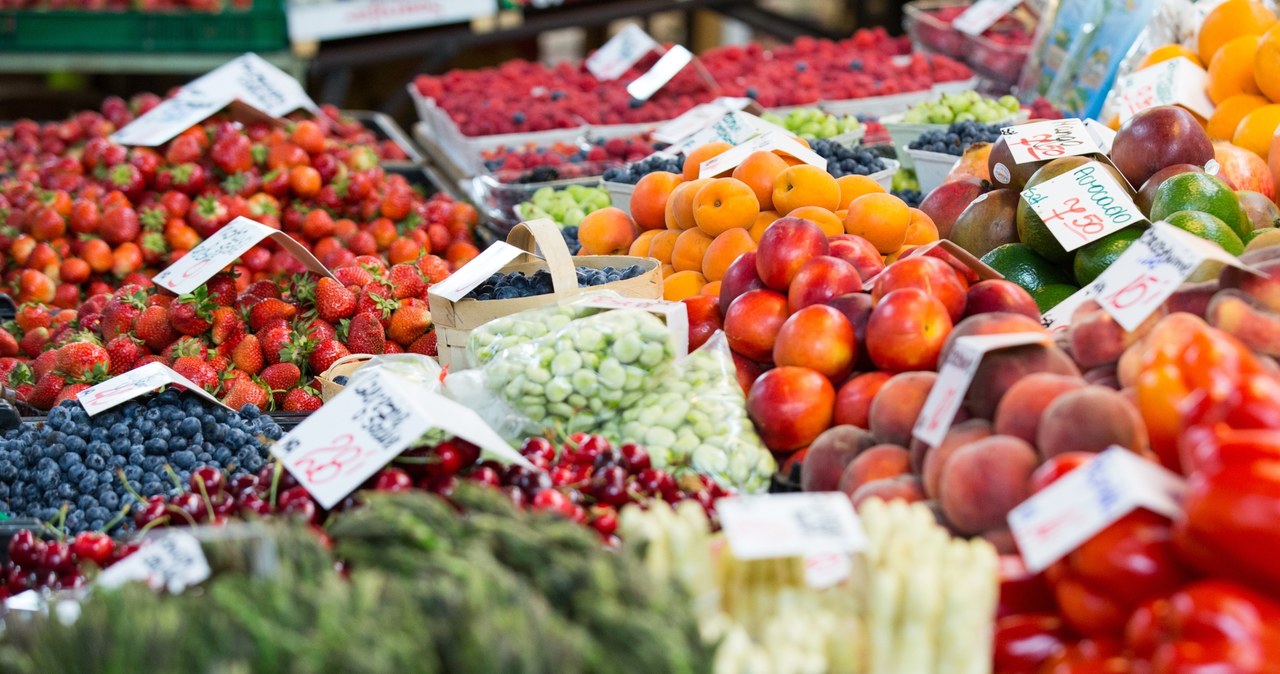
[[1087, 500], [622, 51], [954, 379], [1173, 82], [766, 142], [171, 561], [130, 385], [223, 248], [698, 118], [1082, 205], [1058, 319], [1039, 141], [790, 525]]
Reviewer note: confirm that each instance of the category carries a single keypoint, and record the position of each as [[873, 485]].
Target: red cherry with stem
[[517, 495], [224, 504], [304, 509], [25, 549], [251, 502], [212, 478], [562, 475], [614, 475], [634, 457], [93, 546], [125, 550], [16, 579], [191, 504], [604, 521], [449, 459], [242, 483], [536, 446], [392, 479], [550, 499], [610, 493], [58, 557], [489, 476]]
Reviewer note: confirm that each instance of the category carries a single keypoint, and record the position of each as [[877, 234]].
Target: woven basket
[[343, 367]]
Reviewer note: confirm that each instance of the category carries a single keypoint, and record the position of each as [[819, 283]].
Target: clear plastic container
[[933, 33]]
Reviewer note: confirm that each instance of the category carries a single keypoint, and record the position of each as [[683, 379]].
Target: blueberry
[[518, 118], [152, 464], [189, 427], [133, 473], [66, 491], [250, 411], [86, 502], [76, 472], [185, 459]]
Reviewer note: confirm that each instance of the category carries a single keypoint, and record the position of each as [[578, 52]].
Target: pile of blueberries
[[632, 173], [957, 137], [518, 284], [570, 234], [76, 460], [911, 198], [843, 160]]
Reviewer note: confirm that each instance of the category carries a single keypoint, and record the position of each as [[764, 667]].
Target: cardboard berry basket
[[455, 315]]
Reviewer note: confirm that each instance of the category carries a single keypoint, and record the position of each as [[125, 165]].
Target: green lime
[[1200, 192], [1208, 228], [1049, 296], [1031, 228], [1018, 263], [1095, 256]]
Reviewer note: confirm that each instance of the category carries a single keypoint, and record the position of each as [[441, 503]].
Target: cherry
[[576, 513], [563, 475], [125, 550], [489, 476], [17, 579], [224, 504], [610, 493], [212, 478], [550, 499], [654, 482], [94, 546], [517, 495], [704, 499], [299, 505], [449, 459], [442, 485], [614, 475], [252, 502], [532, 481], [634, 457], [71, 580], [242, 483], [392, 479], [534, 446], [191, 504], [604, 521], [58, 557], [470, 453], [25, 549], [605, 459]]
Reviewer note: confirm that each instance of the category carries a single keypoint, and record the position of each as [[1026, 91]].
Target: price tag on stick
[[671, 63], [1173, 82], [172, 560], [790, 525], [134, 383], [699, 117], [767, 142], [615, 57], [221, 249], [1082, 205], [1039, 141], [1058, 319]]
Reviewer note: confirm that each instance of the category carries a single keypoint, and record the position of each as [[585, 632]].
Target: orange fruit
[[724, 250], [649, 200], [691, 246], [681, 285], [1267, 62], [697, 155], [667, 270], [724, 204], [921, 230], [608, 231], [640, 247], [661, 245], [1222, 124], [1254, 132], [679, 208], [854, 186], [882, 219], [762, 222], [1230, 20], [1169, 52], [897, 254], [805, 185], [712, 289], [1231, 70], [758, 171], [823, 218]]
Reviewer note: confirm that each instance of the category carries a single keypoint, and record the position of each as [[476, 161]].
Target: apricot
[[893, 412], [875, 463], [823, 218], [724, 204], [935, 459], [724, 249], [693, 160], [983, 480], [921, 230], [759, 171], [762, 222], [1019, 411], [640, 247], [882, 219], [805, 185], [853, 186], [829, 454], [662, 244], [682, 284], [608, 231], [691, 247], [649, 200], [1090, 419], [678, 213]]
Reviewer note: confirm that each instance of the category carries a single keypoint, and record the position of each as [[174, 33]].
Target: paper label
[[1103, 135], [170, 118], [1082, 205], [1039, 141], [172, 561], [1174, 82], [675, 314], [698, 118], [134, 383], [221, 249], [473, 273], [1058, 319], [28, 600], [732, 127], [366, 426], [767, 142], [981, 15], [1148, 272], [321, 20], [671, 63], [954, 377], [790, 525], [1069, 512], [827, 569], [615, 57]]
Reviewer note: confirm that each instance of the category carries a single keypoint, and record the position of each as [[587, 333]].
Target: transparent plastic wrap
[[695, 417], [422, 372], [502, 334], [1175, 22]]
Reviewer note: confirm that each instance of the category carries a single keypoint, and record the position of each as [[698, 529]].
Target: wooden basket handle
[[543, 235]]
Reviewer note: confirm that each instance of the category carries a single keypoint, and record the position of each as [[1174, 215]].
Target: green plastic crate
[[256, 29]]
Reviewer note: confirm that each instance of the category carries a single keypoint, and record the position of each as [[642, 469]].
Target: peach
[[829, 454], [945, 203], [1095, 338], [821, 279], [854, 186], [1002, 540], [678, 213], [693, 160], [1021, 408], [1265, 288], [791, 406], [858, 252], [895, 408], [608, 231], [690, 249], [747, 371], [1001, 369], [819, 338], [723, 251], [964, 271], [649, 200], [983, 480], [759, 171], [1090, 419], [740, 277], [994, 295], [785, 247], [704, 319], [824, 219], [724, 204], [753, 321], [1192, 298], [1247, 319], [1104, 375], [805, 185], [857, 308], [906, 331], [935, 459], [933, 276], [875, 463], [900, 488], [853, 399]]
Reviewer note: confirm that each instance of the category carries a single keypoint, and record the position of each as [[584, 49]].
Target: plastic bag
[[696, 417], [502, 334]]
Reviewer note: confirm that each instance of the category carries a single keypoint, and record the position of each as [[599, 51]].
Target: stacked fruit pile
[[534, 164], [969, 106]]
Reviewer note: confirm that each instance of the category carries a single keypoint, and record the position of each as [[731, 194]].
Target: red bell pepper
[[1207, 627]]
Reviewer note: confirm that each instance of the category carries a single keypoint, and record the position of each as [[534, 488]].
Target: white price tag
[[473, 273], [172, 560], [1058, 319], [674, 314], [697, 118], [1173, 82], [134, 383], [615, 57], [1082, 205], [827, 569], [1148, 272], [1038, 141], [366, 426], [954, 377], [766, 142], [221, 249], [648, 84], [170, 118], [790, 525], [1103, 136], [734, 128], [1069, 512], [981, 15]]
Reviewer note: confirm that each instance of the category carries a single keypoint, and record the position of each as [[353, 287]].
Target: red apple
[[859, 252], [994, 295], [704, 319], [821, 279], [740, 277], [753, 321], [929, 274], [784, 248], [817, 337], [1243, 169], [748, 371], [857, 308], [853, 400], [790, 406], [906, 331]]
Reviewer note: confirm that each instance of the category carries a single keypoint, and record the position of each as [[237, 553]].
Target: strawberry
[[232, 153], [219, 362], [228, 327], [188, 178], [353, 275], [372, 264], [44, 364], [434, 268], [199, 372], [153, 328], [365, 335], [319, 329], [46, 391], [121, 312], [118, 225], [149, 359], [23, 392], [279, 343], [186, 346], [207, 215], [392, 347], [325, 353], [83, 361], [192, 313], [377, 300], [333, 301], [69, 392], [409, 321], [8, 344], [247, 355], [263, 289], [302, 400], [232, 376], [222, 288], [270, 309], [31, 316], [425, 345], [127, 179], [406, 281], [123, 351], [246, 393], [280, 379], [32, 343]]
